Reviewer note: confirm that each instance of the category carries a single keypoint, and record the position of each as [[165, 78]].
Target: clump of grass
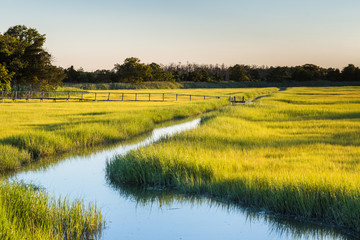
[[40, 143], [27, 212], [12, 158], [291, 158]]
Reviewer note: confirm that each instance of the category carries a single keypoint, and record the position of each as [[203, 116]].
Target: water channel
[[137, 213]]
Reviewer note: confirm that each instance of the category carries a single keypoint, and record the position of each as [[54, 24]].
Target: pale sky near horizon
[[97, 34]]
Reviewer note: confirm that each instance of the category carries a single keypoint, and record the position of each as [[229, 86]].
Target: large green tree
[[22, 52], [5, 79]]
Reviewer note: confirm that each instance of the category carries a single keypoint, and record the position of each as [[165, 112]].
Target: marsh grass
[[45, 129], [27, 212], [12, 158], [36, 131], [283, 153]]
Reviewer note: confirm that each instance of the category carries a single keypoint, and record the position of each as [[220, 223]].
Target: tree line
[[26, 65], [133, 71]]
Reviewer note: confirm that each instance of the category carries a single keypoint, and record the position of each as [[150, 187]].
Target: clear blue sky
[[97, 34]]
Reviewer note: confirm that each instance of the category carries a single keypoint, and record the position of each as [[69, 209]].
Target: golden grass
[[28, 213], [295, 153], [32, 130]]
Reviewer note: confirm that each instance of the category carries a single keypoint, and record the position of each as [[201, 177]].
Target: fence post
[[68, 97], [42, 96], [190, 98], [176, 97], [122, 97], [2, 96], [28, 97], [109, 97], [82, 96], [243, 99], [163, 97], [55, 97], [135, 96], [149, 97], [204, 97], [95, 97]]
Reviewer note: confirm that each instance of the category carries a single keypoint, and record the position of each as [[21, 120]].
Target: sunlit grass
[[291, 153], [28, 213], [45, 129], [30, 131]]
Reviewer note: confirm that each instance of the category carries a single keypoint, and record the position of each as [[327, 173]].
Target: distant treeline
[[26, 65], [133, 71]]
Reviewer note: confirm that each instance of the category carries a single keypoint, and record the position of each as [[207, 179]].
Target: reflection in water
[[139, 213], [108, 150], [278, 226]]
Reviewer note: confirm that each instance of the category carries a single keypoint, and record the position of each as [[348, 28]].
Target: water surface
[[138, 213]]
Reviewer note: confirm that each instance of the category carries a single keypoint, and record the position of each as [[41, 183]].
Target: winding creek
[[135, 213]]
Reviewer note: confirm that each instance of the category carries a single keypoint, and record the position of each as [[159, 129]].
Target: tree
[[238, 74], [5, 79], [333, 74], [72, 76], [350, 73], [22, 52], [278, 74], [158, 74], [11, 52], [103, 76], [133, 71], [308, 72]]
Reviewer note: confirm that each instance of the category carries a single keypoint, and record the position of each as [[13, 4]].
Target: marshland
[[295, 153], [95, 148], [287, 161]]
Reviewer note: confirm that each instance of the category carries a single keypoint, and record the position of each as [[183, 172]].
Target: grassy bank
[[295, 153], [28, 213]]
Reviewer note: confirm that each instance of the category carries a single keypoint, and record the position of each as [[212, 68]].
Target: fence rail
[[99, 96]]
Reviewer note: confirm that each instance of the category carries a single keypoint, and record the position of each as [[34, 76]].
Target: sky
[[98, 34]]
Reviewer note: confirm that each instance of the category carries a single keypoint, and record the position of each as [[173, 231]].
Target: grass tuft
[[26, 212]]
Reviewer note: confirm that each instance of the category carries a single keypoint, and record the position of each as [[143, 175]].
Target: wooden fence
[[99, 96]]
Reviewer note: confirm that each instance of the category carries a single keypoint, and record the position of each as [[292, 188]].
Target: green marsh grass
[[294, 153], [32, 131], [45, 129], [27, 212], [12, 158]]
